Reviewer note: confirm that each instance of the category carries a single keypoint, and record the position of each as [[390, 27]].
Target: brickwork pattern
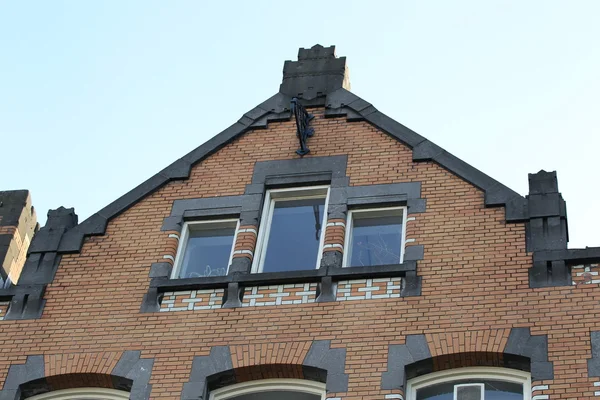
[[367, 289], [335, 234], [295, 293], [171, 245], [492, 341], [245, 242], [192, 300], [98, 363], [538, 392], [475, 277]]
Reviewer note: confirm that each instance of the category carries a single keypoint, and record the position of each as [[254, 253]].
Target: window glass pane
[[294, 235], [494, 390], [207, 252], [375, 240], [469, 392]]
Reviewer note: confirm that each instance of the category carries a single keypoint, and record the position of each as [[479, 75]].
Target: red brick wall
[[475, 282]]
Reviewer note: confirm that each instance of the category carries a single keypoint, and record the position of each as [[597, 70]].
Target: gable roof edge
[[496, 194], [276, 108]]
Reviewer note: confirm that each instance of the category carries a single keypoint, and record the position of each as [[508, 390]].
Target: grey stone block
[[398, 358], [517, 341], [418, 347], [542, 370], [414, 253], [160, 270]]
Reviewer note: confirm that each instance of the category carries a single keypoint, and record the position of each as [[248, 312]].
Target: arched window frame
[[265, 385], [503, 374], [83, 394]]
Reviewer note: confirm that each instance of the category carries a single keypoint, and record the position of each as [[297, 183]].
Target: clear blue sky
[[97, 96]]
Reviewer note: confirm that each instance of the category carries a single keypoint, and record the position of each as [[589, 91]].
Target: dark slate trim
[[322, 364], [594, 362], [160, 283], [535, 348], [280, 278], [285, 173], [45, 385], [131, 373], [522, 351], [18, 374], [275, 108], [207, 207], [138, 370], [26, 298], [547, 231], [570, 256], [322, 356], [338, 103], [399, 356]]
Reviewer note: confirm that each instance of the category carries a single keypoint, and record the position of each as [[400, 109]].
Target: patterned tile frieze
[[192, 300], [297, 293], [366, 289]]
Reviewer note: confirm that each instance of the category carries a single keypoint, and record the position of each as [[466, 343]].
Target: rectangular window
[[205, 249], [374, 237], [291, 229]]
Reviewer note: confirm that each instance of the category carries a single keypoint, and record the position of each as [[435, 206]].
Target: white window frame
[[473, 373], [210, 224], [272, 196], [266, 385], [83, 394], [481, 387], [374, 212]]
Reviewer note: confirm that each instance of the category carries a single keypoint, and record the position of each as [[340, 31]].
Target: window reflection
[[294, 235], [376, 240], [207, 251]]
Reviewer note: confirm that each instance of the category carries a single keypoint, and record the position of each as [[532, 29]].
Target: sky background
[[96, 97]]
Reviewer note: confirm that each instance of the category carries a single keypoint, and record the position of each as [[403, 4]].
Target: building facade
[[18, 224], [315, 249]]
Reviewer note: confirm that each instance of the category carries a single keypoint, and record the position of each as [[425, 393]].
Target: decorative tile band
[[585, 274], [365, 289], [3, 309], [296, 293], [536, 392], [274, 295], [192, 300]]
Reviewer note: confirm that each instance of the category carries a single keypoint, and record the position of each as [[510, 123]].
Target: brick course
[[475, 281]]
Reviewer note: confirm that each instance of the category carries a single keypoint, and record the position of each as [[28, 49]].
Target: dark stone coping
[[570, 256], [325, 276], [280, 278], [26, 301], [340, 102]]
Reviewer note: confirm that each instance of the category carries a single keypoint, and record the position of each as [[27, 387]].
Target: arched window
[[83, 394], [471, 383], [271, 389]]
